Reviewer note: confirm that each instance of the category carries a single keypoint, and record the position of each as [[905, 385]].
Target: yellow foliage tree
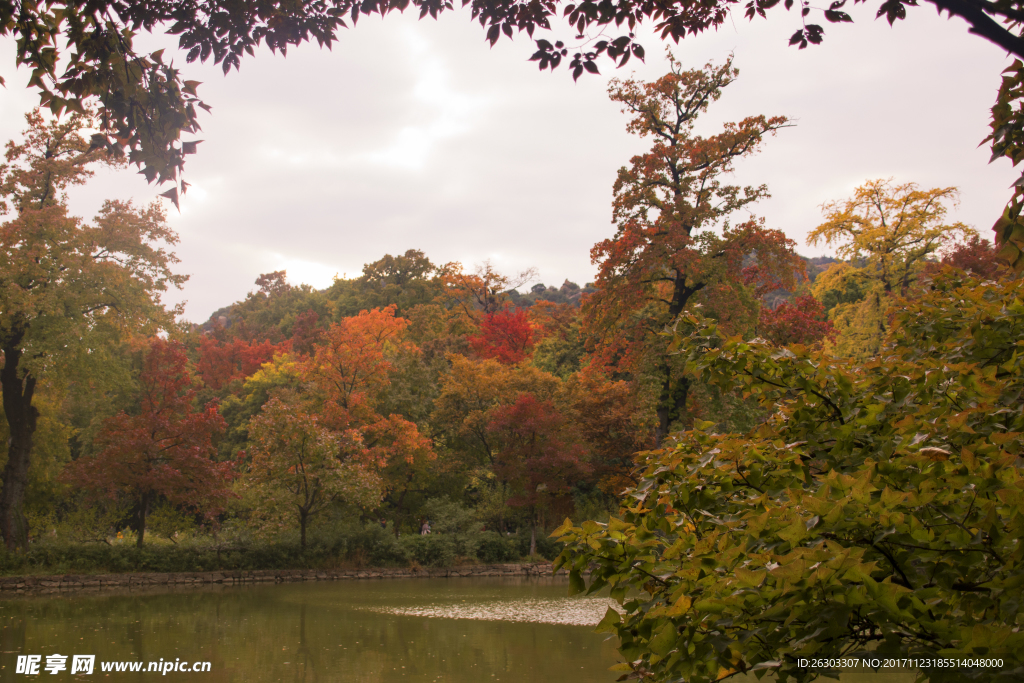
[[888, 233], [891, 229], [860, 327]]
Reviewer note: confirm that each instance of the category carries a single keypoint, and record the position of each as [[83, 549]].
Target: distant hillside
[[817, 265], [569, 293], [347, 297], [345, 303]]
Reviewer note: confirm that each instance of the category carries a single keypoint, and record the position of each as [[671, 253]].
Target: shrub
[[376, 545], [455, 522], [493, 548], [434, 550], [548, 548]]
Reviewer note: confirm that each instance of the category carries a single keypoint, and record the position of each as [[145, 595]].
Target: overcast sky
[[416, 134]]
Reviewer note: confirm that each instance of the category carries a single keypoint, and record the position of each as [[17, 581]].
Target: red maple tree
[[548, 318], [541, 457], [164, 451], [220, 363], [505, 336], [977, 255], [306, 332], [801, 321]]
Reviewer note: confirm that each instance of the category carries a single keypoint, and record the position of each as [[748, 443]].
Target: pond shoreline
[[68, 583]]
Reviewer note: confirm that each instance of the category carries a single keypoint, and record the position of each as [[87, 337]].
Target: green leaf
[[795, 532], [565, 528], [576, 583], [664, 641], [609, 622]]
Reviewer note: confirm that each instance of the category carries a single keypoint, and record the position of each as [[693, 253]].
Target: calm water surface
[[467, 630], [455, 630]]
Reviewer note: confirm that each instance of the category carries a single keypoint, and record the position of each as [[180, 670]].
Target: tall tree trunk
[[672, 402], [141, 526], [22, 418], [303, 517], [399, 505], [533, 537]]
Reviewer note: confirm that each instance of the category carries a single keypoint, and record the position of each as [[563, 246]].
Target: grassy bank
[[369, 545]]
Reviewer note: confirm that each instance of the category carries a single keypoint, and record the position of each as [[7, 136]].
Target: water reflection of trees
[[307, 633]]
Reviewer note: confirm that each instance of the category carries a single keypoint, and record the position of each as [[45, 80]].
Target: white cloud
[[416, 134], [312, 273], [444, 111]]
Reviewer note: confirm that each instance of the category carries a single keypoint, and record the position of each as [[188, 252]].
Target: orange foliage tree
[[351, 368], [471, 391], [484, 290], [665, 256], [611, 417], [549, 318], [163, 452]]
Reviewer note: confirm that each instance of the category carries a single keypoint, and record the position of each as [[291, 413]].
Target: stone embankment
[[59, 584]]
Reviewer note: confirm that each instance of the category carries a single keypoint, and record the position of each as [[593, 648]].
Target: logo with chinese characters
[[31, 664]]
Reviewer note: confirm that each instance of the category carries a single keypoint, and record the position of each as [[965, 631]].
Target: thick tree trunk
[[672, 402], [533, 538], [302, 530], [22, 418]]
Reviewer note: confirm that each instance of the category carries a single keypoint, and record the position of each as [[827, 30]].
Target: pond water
[[467, 630], [385, 631]]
